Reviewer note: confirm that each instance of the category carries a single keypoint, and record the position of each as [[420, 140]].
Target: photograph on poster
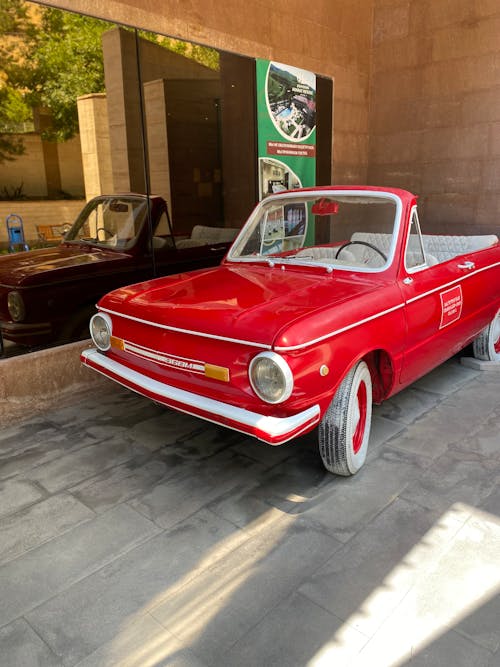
[[276, 176], [291, 100]]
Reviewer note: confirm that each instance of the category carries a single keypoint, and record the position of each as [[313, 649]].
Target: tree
[[13, 23], [61, 58], [48, 58]]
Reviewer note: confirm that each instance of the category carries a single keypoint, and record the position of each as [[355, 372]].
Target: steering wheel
[[369, 245], [105, 230]]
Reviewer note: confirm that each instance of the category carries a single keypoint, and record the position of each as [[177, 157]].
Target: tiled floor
[[134, 536]]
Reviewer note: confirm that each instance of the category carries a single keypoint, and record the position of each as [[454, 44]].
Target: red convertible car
[[330, 299]]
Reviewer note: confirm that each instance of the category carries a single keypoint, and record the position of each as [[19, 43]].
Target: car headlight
[[270, 377], [16, 307], [100, 330]]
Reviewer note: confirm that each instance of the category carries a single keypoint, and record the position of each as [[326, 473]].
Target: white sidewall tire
[[337, 429], [484, 344]]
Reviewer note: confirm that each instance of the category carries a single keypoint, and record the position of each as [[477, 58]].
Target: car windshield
[[109, 222], [340, 229]]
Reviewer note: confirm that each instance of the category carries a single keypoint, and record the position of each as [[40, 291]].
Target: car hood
[[23, 269], [253, 303]]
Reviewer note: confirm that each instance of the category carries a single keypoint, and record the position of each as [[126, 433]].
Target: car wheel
[[344, 430], [487, 345]]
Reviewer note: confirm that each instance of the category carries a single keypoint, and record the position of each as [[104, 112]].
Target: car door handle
[[466, 265]]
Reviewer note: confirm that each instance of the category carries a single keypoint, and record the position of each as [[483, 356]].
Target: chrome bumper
[[273, 430]]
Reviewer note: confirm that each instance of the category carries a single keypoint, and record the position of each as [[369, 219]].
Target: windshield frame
[[312, 195], [91, 207]]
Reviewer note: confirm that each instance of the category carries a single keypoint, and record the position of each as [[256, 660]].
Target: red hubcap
[[357, 440]]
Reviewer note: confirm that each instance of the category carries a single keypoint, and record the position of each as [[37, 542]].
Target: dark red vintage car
[[48, 295], [329, 299]]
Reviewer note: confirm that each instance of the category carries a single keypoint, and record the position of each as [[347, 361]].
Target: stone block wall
[[435, 108], [34, 213]]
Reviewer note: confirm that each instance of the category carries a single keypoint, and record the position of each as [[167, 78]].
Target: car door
[[441, 301]]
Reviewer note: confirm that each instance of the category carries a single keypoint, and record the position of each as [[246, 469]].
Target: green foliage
[[201, 54], [48, 58], [62, 59]]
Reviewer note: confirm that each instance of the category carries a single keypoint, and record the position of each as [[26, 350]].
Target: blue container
[[15, 233]]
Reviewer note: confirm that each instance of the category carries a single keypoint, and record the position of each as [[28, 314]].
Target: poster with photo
[[286, 128]]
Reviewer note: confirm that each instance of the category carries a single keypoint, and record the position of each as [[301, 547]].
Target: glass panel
[[346, 230], [90, 109], [414, 250]]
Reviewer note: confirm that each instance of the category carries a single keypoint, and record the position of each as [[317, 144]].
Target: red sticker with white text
[[451, 305]]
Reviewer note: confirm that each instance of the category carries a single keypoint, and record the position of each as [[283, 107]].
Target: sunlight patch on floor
[[451, 572]]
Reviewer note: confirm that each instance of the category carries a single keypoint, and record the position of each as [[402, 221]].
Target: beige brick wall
[[435, 108], [33, 213]]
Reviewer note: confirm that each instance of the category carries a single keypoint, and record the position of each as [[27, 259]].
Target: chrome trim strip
[[273, 426], [261, 346]]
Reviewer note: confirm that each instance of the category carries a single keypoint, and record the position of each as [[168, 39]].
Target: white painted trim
[[320, 339], [166, 327], [384, 312], [452, 282], [338, 331], [273, 426]]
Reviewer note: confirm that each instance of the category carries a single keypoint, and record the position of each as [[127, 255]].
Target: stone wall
[[435, 108], [32, 169], [30, 384], [35, 213]]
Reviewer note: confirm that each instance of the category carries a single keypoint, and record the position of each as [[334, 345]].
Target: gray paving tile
[[346, 583], [295, 633], [217, 608], [20, 646], [455, 477], [123, 482], [41, 573], [39, 523], [477, 400], [446, 650], [142, 642], [30, 430], [409, 404], [176, 498], [452, 571], [482, 624], [164, 429], [382, 429], [485, 439], [42, 447], [240, 506], [68, 470], [15, 494], [204, 442], [108, 405], [447, 378], [269, 455], [94, 611], [344, 506]]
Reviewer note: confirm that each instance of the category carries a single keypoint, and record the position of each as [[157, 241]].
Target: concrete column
[[94, 138], [155, 103], [124, 110]]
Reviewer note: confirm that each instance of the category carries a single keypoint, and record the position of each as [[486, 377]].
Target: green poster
[[286, 127]]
